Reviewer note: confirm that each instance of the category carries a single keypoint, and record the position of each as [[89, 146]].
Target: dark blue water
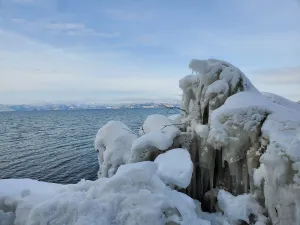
[[57, 146]]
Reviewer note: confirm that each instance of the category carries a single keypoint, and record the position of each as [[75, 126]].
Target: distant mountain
[[5, 108], [50, 106]]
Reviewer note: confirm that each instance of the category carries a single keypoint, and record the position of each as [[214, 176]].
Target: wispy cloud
[[128, 15], [122, 15], [77, 29], [24, 1], [64, 28], [18, 20], [32, 68], [280, 76], [284, 81]]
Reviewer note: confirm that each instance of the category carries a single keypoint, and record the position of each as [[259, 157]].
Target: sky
[[115, 51]]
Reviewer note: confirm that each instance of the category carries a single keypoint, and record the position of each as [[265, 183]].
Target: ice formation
[[246, 131], [232, 151], [113, 143]]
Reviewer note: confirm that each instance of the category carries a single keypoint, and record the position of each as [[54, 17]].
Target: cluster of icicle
[[239, 140]]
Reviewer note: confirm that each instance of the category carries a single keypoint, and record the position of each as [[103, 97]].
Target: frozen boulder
[[175, 167], [113, 143]]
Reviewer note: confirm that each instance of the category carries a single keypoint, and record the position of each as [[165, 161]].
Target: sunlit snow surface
[[134, 195]]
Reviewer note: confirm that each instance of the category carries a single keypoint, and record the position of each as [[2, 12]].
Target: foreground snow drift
[[134, 195]]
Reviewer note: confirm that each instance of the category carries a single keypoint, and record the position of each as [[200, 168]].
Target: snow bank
[[282, 101], [19, 196], [113, 143], [134, 195], [175, 167], [117, 145]]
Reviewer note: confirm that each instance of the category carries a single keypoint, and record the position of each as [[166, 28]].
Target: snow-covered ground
[[233, 147]]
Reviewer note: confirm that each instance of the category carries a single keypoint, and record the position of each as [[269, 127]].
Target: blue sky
[[113, 51]]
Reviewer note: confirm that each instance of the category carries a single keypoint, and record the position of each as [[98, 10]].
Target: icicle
[[245, 177]]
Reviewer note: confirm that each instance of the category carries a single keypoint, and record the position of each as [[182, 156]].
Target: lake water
[[58, 146]]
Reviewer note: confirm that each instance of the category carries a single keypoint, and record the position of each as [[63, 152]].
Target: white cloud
[[24, 1], [281, 76], [18, 20], [64, 28], [283, 81], [127, 15], [30, 67], [77, 29], [122, 15]]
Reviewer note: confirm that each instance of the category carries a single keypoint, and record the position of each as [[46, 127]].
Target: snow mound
[[239, 207], [158, 135], [133, 196], [175, 167], [113, 143], [282, 101], [157, 122], [175, 117]]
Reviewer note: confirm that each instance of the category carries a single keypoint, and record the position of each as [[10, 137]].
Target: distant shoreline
[[32, 108]]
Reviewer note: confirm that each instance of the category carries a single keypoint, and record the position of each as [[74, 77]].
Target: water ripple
[[57, 146]]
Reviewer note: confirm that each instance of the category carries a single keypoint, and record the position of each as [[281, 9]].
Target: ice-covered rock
[[175, 167], [246, 130], [158, 134], [113, 143]]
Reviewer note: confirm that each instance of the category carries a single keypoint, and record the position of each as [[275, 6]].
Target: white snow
[[202, 130], [156, 139], [282, 101], [157, 122], [239, 207], [113, 143], [158, 133], [135, 195], [259, 175], [175, 118], [175, 167]]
